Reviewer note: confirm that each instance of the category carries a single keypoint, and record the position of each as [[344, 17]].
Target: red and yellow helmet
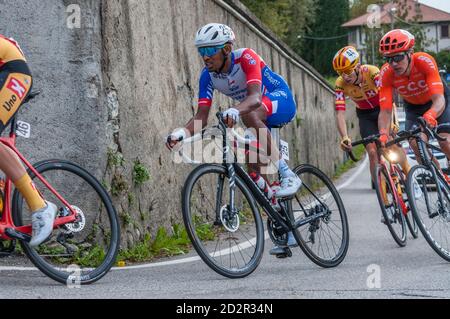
[[346, 60], [396, 41]]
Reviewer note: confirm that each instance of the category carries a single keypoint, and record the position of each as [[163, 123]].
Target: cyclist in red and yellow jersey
[[361, 84], [416, 78], [15, 84]]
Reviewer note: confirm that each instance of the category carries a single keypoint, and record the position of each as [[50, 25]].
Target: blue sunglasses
[[210, 51]]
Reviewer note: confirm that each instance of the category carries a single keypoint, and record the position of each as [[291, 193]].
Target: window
[[352, 37], [444, 31]]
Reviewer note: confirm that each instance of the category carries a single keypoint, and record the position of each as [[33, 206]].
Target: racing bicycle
[[221, 212]]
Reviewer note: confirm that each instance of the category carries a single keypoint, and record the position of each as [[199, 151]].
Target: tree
[[274, 14], [318, 48], [359, 7], [442, 59], [286, 18]]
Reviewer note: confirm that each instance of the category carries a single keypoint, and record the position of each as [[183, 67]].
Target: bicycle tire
[[110, 257], [426, 232], [303, 243], [190, 224], [398, 216]]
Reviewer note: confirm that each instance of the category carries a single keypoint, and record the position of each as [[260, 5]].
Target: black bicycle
[[220, 204], [429, 192]]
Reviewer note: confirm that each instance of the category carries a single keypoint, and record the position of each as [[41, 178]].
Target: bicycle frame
[[390, 168], [8, 230], [233, 168]]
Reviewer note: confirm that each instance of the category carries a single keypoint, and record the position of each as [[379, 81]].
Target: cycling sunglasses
[[396, 58], [347, 72], [210, 51]]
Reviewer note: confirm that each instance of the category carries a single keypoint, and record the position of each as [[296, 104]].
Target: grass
[[140, 173], [163, 245]]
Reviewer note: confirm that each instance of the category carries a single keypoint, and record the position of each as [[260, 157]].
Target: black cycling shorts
[[368, 121]]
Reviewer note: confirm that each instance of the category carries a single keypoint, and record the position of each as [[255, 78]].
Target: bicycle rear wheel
[[230, 243], [325, 240], [432, 217], [392, 212], [80, 252]]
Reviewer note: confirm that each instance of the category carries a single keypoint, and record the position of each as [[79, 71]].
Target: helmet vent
[[215, 35]]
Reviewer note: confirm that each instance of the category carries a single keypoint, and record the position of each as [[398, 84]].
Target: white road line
[[197, 258]]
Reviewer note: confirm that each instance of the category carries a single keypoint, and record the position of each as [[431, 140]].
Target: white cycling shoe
[[42, 223], [289, 186]]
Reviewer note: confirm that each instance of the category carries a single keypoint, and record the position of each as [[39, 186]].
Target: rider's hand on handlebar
[[346, 144], [231, 117], [174, 138], [384, 137], [430, 117]]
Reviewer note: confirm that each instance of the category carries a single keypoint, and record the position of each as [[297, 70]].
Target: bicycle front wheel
[[392, 212], [324, 240], [229, 242], [81, 252], [430, 208]]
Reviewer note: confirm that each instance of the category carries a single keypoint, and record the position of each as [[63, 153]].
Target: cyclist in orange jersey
[[361, 84], [415, 76]]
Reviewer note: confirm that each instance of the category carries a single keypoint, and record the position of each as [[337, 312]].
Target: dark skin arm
[[201, 116], [251, 103]]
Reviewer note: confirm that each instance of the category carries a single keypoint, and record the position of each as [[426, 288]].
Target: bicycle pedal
[[287, 253]]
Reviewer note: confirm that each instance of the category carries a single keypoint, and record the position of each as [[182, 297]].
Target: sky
[[439, 4]]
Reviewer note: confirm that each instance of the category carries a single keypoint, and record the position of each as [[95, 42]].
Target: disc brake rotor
[[76, 226], [229, 220]]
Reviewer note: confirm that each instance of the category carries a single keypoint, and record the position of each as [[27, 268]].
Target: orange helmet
[[346, 60], [396, 41]]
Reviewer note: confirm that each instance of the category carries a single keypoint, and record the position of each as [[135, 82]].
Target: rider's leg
[[256, 120], [281, 109], [12, 167], [402, 158], [371, 150]]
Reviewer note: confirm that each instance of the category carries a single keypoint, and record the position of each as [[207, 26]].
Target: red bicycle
[[390, 186], [85, 241]]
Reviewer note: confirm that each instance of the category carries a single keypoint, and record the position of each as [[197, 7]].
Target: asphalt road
[[375, 267]]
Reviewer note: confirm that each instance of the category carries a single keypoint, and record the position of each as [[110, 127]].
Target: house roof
[[429, 14]]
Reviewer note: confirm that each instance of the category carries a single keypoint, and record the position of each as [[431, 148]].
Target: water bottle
[[263, 185]]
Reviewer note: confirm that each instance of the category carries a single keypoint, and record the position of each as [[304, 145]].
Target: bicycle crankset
[[275, 234]]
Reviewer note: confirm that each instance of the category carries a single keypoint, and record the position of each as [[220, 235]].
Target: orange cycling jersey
[[365, 95], [417, 88], [9, 51]]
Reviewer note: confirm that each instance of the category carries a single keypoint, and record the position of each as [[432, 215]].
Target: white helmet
[[214, 34]]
